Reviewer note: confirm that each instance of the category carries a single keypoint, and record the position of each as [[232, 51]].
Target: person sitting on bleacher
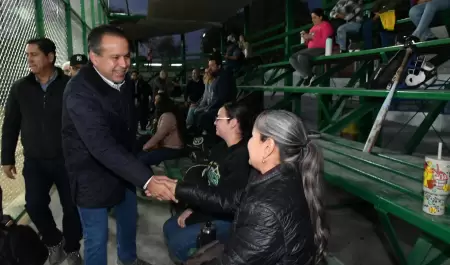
[[244, 45], [347, 17], [161, 84], [221, 90], [193, 94], [205, 99], [315, 41], [374, 24], [280, 216], [233, 55], [228, 170], [422, 14], [167, 141]]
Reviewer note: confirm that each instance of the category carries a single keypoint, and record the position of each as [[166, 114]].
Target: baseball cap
[[78, 59]]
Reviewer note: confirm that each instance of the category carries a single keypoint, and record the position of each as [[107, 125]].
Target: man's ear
[[51, 57], [93, 57]]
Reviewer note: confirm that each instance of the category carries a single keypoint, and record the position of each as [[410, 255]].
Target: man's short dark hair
[[96, 35], [216, 58], [135, 72], [46, 46]]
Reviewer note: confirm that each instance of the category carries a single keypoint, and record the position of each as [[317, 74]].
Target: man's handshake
[[162, 188]]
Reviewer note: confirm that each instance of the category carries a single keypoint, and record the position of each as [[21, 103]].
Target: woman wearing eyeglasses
[[227, 170]]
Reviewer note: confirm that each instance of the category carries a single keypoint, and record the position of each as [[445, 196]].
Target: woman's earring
[[264, 160]]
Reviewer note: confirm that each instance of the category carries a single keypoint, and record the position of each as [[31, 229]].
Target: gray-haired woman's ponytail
[[298, 153], [311, 168]]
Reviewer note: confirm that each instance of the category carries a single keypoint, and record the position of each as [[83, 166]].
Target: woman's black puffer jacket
[[271, 225]]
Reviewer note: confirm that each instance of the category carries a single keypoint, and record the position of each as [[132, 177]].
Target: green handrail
[[265, 31], [282, 35]]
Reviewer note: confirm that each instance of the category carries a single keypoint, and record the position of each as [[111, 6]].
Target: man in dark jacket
[[33, 110], [222, 90], [192, 95], [141, 93], [98, 134]]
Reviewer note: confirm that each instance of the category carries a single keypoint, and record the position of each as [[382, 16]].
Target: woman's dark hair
[[320, 13], [243, 115], [298, 154], [165, 104]]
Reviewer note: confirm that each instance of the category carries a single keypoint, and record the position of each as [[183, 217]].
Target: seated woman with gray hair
[[279, 216]]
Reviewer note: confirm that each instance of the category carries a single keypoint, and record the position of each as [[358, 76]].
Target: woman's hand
[[182, 218], [147, 147], [307, 36], [376, 16]]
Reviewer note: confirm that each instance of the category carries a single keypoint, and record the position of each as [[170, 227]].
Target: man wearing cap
[[66, 68], [76, 62]]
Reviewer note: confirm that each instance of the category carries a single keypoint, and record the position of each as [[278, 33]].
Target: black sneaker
[[56, 254], [408, 39]]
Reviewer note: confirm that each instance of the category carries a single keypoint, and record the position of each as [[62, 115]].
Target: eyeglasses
[[222, 118]]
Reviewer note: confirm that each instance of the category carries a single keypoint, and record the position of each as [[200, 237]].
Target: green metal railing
[[67, 23]]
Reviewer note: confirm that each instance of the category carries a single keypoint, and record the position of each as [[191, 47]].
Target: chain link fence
[[67, 23]]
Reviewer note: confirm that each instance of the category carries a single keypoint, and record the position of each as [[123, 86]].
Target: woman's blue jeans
[[181, 240]]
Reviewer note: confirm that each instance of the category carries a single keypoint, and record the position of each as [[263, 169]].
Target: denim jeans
[[190, 116], [387, 38], [181, 240], [422, 15], [341, 34], [157, 156], [95, 229]]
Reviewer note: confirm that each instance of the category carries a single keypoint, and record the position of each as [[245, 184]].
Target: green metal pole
[[93, 13], [246, 20], [136, 50], [84, 27], [69, 29], [39, 18], [222, 48], [289, 25], [99, 13], [183, 58]]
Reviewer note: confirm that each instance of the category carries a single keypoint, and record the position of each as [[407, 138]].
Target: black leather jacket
[[271, 224]]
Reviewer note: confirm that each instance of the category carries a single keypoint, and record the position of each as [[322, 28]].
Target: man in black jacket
[[33, 110], [141, 93], [99, 130]]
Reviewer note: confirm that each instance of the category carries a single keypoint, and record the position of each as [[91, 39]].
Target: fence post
[[39, 15], [246, 20], [99, 12], [68, 8], [84, 27], [289, 25], [136, 50], [93, 13], [183, 58]]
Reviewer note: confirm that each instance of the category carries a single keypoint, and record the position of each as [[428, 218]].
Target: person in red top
[[315, 41]]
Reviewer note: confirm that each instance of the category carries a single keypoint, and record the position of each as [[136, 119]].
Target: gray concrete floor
[[354, 237]]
